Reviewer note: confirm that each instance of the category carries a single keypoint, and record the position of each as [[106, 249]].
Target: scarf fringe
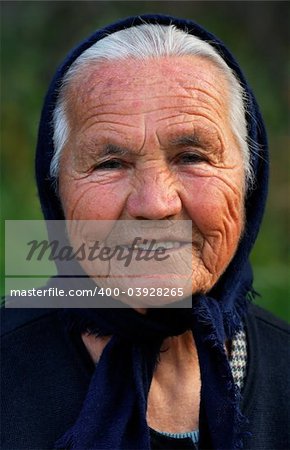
[[78, 324], [210, 337]]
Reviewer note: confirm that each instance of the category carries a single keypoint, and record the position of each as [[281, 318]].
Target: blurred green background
[[35, 36]]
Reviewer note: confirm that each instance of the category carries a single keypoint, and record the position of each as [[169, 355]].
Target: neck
[[173, 399]]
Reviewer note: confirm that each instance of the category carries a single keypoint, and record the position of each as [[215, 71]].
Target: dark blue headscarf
[[113, 415]]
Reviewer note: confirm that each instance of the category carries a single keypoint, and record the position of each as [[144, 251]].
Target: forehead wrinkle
[[107, 73], [195, 86], [187, 111], [104, 100], [93, 121], [219, 99], [190, 94], [208, 113], [145, 96], [208, 105], [142, 104]]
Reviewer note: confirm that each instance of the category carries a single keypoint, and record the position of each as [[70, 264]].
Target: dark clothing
[[45, 376]]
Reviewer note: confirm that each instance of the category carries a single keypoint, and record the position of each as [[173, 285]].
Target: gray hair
[[141, 42]]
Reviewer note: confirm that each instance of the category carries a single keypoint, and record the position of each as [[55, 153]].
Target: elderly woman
[[151, 119]]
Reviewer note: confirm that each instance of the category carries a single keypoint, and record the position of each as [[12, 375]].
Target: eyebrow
[[106, 150], [113, 150], [110, 149], [186, 140]]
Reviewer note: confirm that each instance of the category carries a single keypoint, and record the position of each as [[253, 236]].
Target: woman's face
[[152, 140]]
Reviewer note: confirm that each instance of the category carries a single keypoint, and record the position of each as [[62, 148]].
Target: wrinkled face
[[152, 140]]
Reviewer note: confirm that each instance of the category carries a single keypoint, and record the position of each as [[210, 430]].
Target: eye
[[190, 158], [112, 164]]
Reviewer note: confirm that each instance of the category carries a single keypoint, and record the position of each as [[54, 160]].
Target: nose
[[154, 196]]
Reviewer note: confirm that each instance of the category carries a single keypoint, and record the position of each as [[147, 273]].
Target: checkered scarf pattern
[[238, 358]]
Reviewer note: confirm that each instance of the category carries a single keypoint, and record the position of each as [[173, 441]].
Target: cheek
[[216, 209], [88, 201]]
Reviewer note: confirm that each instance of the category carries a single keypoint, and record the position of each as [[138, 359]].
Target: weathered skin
[[180, 159]]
